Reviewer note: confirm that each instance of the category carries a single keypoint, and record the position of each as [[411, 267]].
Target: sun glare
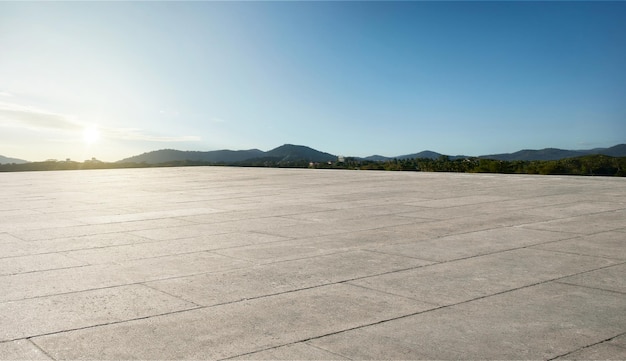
[[91, 135]]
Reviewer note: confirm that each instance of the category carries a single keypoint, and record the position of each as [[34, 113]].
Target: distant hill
[[290, 152], [424, 154], [299, 153], [287, 152], [556, 154], [377, 158], [615, 151], [171, 155], [7, 160]]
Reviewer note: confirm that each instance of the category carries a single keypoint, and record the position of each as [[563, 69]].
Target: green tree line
[[587, 165]]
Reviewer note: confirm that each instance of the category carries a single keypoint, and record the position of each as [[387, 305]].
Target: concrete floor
[[253, 263]]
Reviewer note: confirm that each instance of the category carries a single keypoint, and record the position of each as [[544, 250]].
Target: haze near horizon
[[114, 79]]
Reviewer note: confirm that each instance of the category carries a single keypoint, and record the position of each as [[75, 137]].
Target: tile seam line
[[412, 314], [557, 280], [576, 254], [92, 248], [117, 285], [40, 349], [576, 216], [198, 307], [33, 337], [255, 264], [171, 295], [147, 241], [434, 262], [43, 270], [498, 201], [329, 351], [119, 263], [163, 314], [92, 234], [144, 283], [97, 224], [587, 346], [574, 235], [279, 216], [591, 287], [334, 234]]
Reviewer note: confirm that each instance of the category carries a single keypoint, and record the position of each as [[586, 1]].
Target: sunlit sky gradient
[[349, 78]]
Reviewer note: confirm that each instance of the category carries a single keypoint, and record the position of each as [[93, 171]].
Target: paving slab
[[152, 249], [66, 280], [604, 244], [45, 315], [476, 277], [7, 238], [260, 263], [539, 322], [42, 233], [609, 278], [215, 288], [233, 329], [585, 224], [39, 262], [603, 351], [21, 350], [56, 245], [471, 243], [296, 351]]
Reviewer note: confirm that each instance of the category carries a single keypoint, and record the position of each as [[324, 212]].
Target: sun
[[91, 135]]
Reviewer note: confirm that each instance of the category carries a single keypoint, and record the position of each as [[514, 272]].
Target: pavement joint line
[[88, 234], [437, 305], [476, 255], [199, 307], [340, 251], [103, 324], [144, 284], [329, 351], [148, 240], [119, 285], [43, 270], [411, 314], [590, 287], [117, 263], [574, 253], [39, 348], [587, 346], [206, 273]]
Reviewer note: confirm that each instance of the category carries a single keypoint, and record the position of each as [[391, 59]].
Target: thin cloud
[[137, 134], [34, 119], [19, 116]]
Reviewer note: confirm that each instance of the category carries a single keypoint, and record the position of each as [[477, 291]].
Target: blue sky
[[115, 79]]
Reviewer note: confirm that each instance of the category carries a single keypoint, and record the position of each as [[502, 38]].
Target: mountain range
[[287, 152], [290, 152], [7, 160], [556, 154]]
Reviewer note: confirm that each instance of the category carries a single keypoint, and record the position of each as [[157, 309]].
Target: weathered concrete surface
[[252, 263]]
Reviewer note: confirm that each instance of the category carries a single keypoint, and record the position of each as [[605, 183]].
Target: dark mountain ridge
[[284, 153], [7, 160], [172, 155], [556, 154], [298, 153], [290, 152]]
